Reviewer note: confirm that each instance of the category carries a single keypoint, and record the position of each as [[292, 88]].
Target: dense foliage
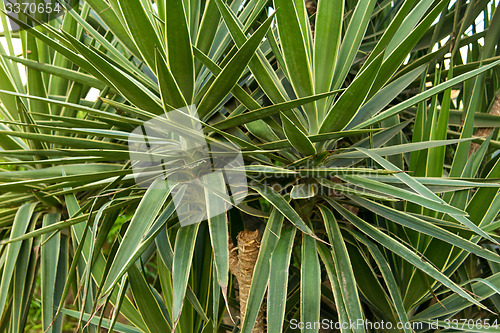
[[369, 134]]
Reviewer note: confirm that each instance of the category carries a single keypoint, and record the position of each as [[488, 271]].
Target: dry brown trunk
[[485, 131], [242, 261], [311, 8]]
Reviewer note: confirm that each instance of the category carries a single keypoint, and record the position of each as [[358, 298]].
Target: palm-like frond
[[374, 196]]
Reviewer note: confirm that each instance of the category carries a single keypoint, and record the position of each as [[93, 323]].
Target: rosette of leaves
[[357, 141]]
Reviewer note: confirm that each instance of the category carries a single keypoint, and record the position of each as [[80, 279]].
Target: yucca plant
[[369, 135]]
